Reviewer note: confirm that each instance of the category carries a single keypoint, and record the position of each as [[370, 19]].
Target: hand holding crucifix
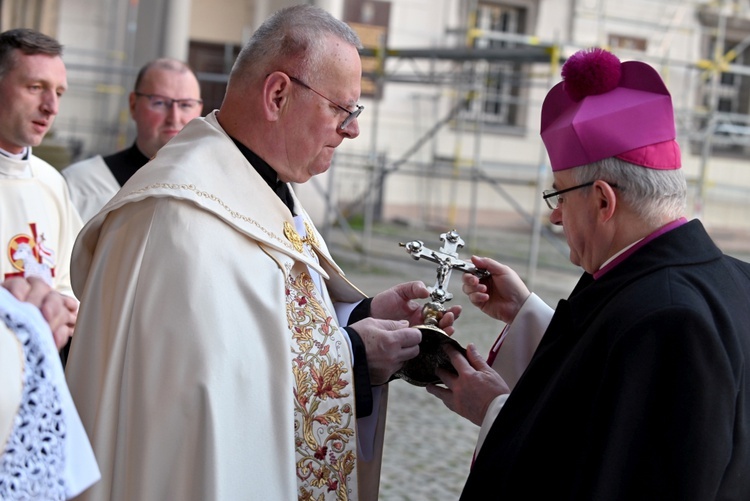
[[420, 371]]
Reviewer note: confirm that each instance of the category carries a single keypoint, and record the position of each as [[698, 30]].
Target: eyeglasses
[[553, 198], [351, 114], [163, 104]]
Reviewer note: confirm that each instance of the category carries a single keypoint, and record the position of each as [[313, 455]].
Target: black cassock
[[639, 389]]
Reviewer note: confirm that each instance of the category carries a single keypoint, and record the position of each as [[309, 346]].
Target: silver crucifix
[[420, 370], [447, 260]]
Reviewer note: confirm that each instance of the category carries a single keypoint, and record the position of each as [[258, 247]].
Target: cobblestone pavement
[[428, 448]]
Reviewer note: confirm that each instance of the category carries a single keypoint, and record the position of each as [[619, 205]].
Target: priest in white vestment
[[38, 222], [221, 354], [165, 97]]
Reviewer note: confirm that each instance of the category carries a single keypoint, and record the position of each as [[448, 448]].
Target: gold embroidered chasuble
[[216, 368], [324, 418]]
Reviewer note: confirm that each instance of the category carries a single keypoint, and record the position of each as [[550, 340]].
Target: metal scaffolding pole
[[699, 203]]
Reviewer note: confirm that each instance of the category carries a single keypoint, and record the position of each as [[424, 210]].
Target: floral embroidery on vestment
[[323, 396]]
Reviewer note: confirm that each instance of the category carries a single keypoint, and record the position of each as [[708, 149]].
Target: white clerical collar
[[617, 254], [16, 156]]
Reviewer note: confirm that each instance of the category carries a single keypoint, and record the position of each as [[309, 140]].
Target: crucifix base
[[420, 371]]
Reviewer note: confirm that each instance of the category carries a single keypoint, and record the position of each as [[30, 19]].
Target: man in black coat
[[640, 385]]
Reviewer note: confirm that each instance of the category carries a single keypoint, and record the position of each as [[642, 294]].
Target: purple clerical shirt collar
[[623, 256]]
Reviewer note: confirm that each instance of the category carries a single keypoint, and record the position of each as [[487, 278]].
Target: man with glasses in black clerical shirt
[[165, 98], [640, 385], [221, 353]]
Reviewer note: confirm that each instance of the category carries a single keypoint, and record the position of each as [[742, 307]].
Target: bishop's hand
[[500, 295]]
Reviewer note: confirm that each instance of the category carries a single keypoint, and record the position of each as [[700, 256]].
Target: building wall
[[673, 37], [221, 21], [432, 182]]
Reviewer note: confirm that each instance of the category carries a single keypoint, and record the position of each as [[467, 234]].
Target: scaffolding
[[461, 108], [457, 73]]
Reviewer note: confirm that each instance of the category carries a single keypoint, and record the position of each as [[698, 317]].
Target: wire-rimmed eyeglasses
[[351, 114], [164, 104]]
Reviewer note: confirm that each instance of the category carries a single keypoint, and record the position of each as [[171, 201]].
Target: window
[[732, 105], [499, 82], [729, 101], [627, 42], [370, 20], [212, 63]]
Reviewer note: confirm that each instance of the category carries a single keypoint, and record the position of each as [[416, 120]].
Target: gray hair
[[29, 42], [653, 194], [292, 39]]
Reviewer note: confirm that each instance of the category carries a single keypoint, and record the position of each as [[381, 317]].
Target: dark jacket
[[640, 387]]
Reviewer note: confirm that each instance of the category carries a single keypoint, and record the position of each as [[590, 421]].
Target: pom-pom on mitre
[[603, 109], [590, 72]]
